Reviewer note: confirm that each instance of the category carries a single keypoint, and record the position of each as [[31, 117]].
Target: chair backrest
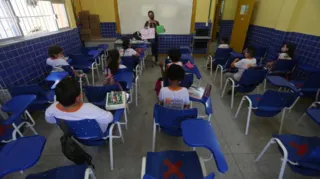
[[253, 76], [186, 82], [83, 129], [30, 89], [275, 100], [222, 55], [284, 66], [312, 81], [130, 62], [98, 93], [170, 119]]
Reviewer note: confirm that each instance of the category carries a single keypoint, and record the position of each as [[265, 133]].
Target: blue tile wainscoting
[[24, 63], [225, 28], [307, 46], [108, 30]]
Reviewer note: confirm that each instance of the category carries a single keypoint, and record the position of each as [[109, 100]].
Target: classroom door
[[241, 24]]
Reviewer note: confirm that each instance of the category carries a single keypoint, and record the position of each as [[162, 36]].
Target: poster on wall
[[244, 9]]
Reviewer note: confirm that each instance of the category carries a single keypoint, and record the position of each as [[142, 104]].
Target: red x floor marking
[[173, 169], [301, 149]]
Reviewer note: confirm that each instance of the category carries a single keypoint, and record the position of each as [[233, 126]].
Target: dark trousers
[[154, 47]]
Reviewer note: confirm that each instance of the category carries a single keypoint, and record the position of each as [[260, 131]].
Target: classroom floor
[[240, 150]]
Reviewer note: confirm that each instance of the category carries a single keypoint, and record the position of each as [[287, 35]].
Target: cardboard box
[[85, 31], [94, 24], [84, 15], [85, 37], [85, 24], [96, 32], [94, 18]]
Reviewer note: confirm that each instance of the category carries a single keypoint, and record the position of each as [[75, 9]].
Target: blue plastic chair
[[185, 50], [268, 104], [84, 63], [70, 172], [21, 154], [88, 132], [195, 133], [250, 79], [283, 67], [169, 120], [97, 96], [299, 152], [313, 112], [17, 106], [206, 101], [220, 59], [43, 97]]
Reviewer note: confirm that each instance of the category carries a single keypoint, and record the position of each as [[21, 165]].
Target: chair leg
[[136, 90], [271, 141], [239, 107], [221, 77], [215, 73], [232, 94], [111, 147], [154, 136], [17, 130], [282, 119], [304, 114], [92, 71], [210, 66], [264, 85], [87, 79], [224, 89], [248, 119], [126, 118], [294, 103], [120, 132]]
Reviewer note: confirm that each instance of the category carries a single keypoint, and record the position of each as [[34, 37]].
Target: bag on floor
[[71, 149]]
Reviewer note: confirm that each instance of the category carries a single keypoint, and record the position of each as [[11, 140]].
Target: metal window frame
[[17, 24]]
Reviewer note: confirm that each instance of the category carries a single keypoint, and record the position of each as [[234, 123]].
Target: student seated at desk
[[70, 107], [57, 60], [224, 43], [174, 96], [113, 66], [287, 51], [243, 64], [174, 55], [127, 51]]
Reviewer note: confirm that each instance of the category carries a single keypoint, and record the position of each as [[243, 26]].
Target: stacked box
[[95, 26]]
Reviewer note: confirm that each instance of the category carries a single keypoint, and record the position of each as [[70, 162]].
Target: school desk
[[56, 77]]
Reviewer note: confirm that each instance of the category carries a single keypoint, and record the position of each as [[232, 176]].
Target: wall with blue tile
[[225, 28], [108, 30], [24, 63], [307, 46]]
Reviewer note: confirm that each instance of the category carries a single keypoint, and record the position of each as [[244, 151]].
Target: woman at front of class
[[152, 23]]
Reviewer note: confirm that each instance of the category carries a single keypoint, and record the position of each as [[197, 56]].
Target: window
[[18, 18]]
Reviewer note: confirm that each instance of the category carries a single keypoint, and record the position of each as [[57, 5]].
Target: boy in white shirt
[[70, 107], [127, 51], [242, 65], [174, 96], [57, 61], [223, 43]]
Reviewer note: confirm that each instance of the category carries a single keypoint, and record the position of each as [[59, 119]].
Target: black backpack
[[71, 149]]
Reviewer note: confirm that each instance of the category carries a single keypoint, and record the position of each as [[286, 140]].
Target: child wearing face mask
[[287, 51], [57, 60]]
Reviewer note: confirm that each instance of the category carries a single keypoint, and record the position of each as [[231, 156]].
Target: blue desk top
[[21, 154], [94, 53], [199, 133], [125, 76], [309, 68], [281, 82], [236, 55], [193, 70], [187, 57], [56, 77], [18, 104]]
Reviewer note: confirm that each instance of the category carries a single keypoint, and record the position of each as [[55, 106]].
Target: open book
[[199, 92], [116, 100]]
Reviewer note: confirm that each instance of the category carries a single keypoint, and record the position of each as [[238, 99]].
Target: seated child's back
[[70, 107], [245, 63], [174, 55], [174, 96], [127, 51], [223, 43]]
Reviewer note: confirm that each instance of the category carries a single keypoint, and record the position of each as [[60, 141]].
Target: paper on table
[[147, 33]]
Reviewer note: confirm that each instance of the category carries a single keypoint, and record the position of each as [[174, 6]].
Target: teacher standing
[[151, 23]]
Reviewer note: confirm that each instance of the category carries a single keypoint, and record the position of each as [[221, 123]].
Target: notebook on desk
[[199, 92]]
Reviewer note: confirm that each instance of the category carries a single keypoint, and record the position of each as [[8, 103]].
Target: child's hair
[[224, 40], [67, 91], [174, 54], [251, 51], [113, 61], [125, 44], [54, 50], [291, 48], [175, 73]]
